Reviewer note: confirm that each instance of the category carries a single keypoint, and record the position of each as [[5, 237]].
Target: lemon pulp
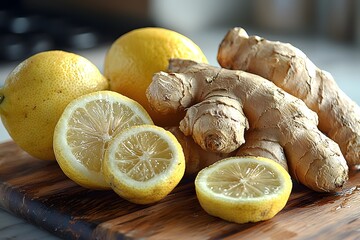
[[244, 180], [144, 156]]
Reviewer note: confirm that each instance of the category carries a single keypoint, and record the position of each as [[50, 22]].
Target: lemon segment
[[84, 130], [243, 189], [144, 164]]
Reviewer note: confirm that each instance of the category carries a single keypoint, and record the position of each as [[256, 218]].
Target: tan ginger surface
[[196, 158], [260, 143], [291, 70], [221, 104]]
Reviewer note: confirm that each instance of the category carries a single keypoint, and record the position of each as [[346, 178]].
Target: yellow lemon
[[144, 163], [37, 91], [243, 189], [84, 130], [135, 56]]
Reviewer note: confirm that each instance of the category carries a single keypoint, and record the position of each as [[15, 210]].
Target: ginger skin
[[196, 158], [291, 70], [258, 144], [313, 159]]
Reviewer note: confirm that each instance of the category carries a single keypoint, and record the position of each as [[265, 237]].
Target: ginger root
[[291, 70], [258, 144], [196, 158], [248, 101]]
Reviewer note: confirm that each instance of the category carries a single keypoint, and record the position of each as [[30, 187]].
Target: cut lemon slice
[[243, 189], [84, 129], [144, 163]]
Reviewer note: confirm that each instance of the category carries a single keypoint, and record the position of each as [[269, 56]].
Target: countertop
[[341, 60]]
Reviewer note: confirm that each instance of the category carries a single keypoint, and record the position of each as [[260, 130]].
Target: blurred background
[[328, 31]]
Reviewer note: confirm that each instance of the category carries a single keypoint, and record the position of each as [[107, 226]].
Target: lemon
[[243, 189], [144, 163], [84, 130], [37, 91], [134, 57]]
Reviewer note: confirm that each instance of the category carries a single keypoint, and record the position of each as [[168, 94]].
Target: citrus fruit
[[37, 91], [144, 163], [134, 57], [243, 189], [84, 130]]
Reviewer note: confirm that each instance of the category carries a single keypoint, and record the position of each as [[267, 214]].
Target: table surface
[[342, 61]]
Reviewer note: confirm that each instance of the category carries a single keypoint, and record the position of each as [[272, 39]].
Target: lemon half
[[243, 189], [144, 163], [84, 130]]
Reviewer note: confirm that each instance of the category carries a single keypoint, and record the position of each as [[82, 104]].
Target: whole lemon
[[37, 91], [135, 56]]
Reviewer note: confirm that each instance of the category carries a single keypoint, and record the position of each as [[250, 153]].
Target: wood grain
[[39, 192]]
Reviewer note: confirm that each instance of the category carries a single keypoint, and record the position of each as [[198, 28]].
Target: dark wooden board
[[39, 192]]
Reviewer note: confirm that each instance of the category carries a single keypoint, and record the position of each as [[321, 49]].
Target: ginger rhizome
[[196, 158], [291, 70], [223, 104], [259, 144]]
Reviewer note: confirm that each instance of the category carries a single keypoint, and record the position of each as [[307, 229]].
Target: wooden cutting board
[[39, 192]]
